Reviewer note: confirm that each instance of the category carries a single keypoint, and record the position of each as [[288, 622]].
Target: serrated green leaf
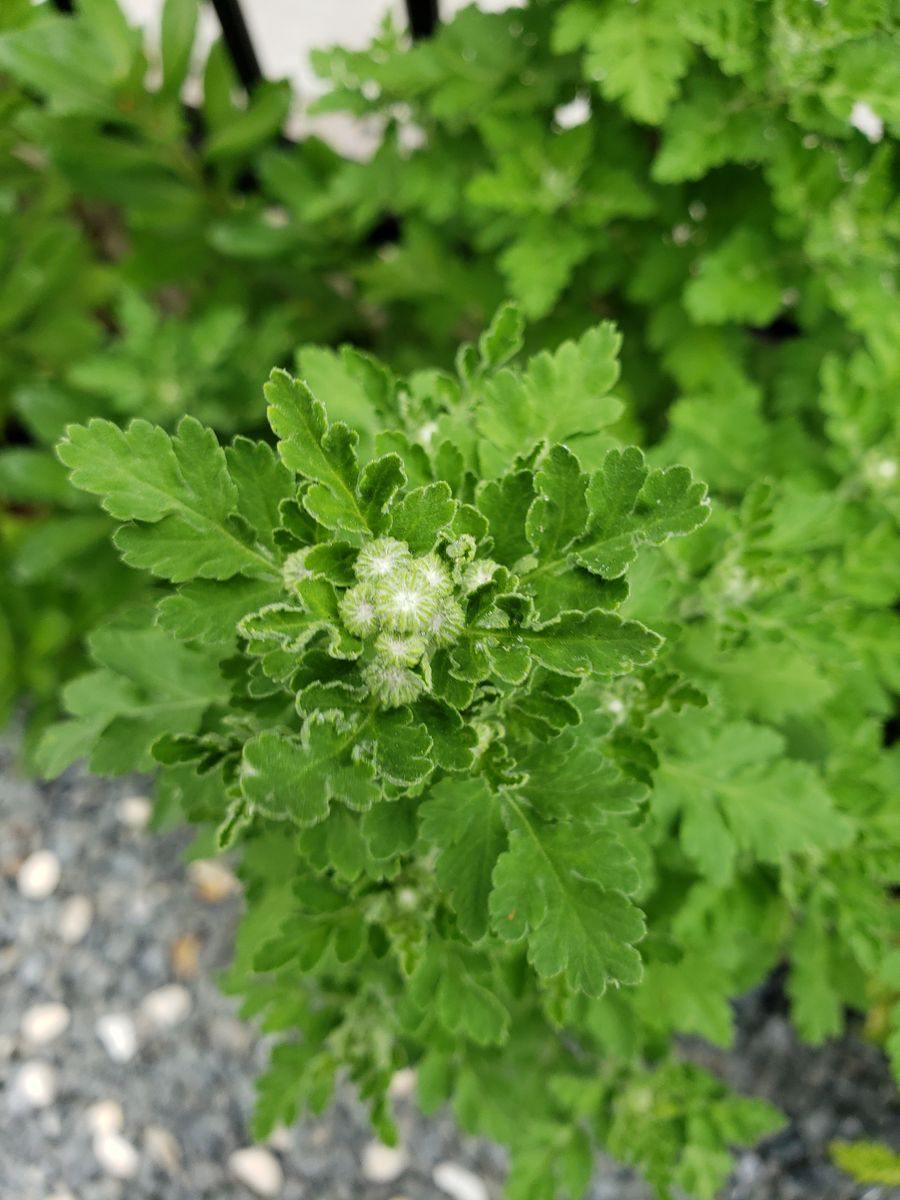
[[503, 339], [298, 779], [178, 488], [592, 643], [209, 612], [464, 820], [735, 792], [422, 515], [559, 512], [630, 505], [318, 452], [147, 686], [560, 891]]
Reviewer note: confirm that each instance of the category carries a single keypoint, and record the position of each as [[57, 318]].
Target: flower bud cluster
[[407, 606]]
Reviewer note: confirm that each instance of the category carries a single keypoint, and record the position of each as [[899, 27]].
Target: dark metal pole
[[424, 17], [237, 40]]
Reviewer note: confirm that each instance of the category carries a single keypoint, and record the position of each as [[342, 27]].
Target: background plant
[[142, 275], [733, 210]]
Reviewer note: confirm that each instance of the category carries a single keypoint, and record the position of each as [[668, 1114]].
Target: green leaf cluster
[[557, 783]]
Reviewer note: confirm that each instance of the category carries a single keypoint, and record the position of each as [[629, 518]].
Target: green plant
[[733, 211], [132, 284], [393, 664]]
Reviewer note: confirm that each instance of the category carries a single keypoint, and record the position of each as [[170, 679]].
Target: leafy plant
[[525, 866], [391, 663], [133, 283]]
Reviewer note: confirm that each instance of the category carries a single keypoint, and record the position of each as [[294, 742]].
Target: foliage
[[560, 782], [132, 284], [869, 1162]]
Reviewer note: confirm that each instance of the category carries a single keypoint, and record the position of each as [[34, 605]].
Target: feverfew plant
[[388, 663]]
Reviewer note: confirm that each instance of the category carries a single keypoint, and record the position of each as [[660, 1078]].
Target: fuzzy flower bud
[[435, 574], [400, 651], [357, 608], [404, 601], [380, 559], [393, 685], [445, 626]]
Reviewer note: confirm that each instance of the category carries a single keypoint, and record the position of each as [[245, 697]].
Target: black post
[[64, 6], [237, 40], [423, 17]]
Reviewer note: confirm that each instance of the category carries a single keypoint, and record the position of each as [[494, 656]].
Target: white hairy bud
[[405, 602], [380, 559], [447, 623], [400, 651], [393, 685], [357, 608]]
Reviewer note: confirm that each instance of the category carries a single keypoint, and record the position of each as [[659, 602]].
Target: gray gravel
[[186, 1094]]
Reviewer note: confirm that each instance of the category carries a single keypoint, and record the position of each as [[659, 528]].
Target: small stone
[[383, 1164], [257, 1169], [104, 1116], [212, 880], [75, 919], [43, 1023], [403, 1084], [184, 955], [458, 1183], [35, 1085], [163, 1148], [117, 1157], [134, 811], [118, 1036], [280, 1139], [167, 1006], [38, 876]]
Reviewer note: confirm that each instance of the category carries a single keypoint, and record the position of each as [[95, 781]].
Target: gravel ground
[[126, 1075]]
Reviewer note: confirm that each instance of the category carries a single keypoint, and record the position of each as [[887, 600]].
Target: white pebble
[[75, 919], [43, 1023], [104, 1116], [280, 1139], [39, 875], [35, 1084], [257, 1169], [117, 1157], [167, 1006], [458, 1183], [383, 1164], [134, 811], [213, 880], [118, 1036], [403, 1084], [163, 1148]]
